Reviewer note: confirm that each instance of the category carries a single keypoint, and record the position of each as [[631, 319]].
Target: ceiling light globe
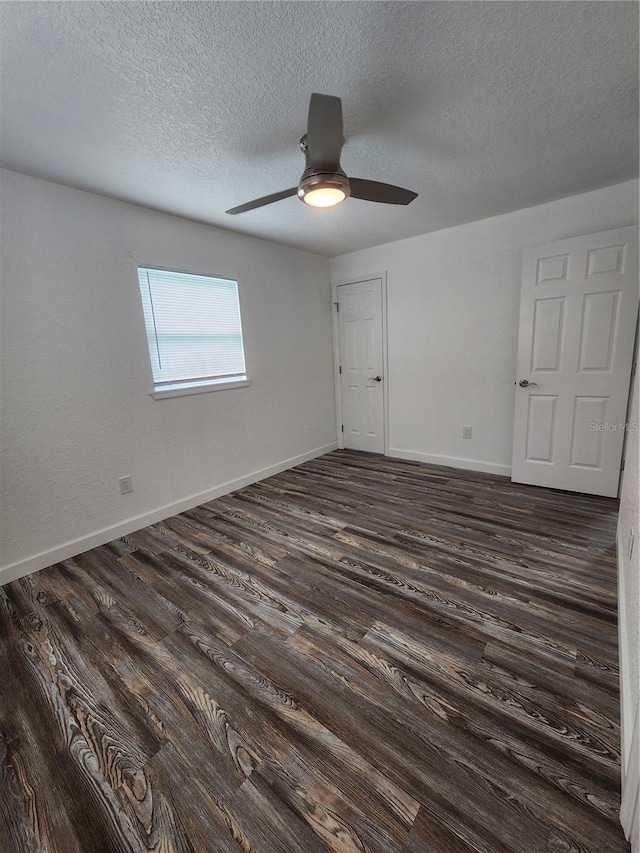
[[323, 189], [324, 196]]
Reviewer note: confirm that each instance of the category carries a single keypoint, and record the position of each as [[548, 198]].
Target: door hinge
[[337, 304], [342, 427], [340, 369], [622, 465]]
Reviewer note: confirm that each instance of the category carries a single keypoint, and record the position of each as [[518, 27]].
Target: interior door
[[361, 364], [578, 312]]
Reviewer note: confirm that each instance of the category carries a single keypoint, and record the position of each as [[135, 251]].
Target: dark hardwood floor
[[359, 654]]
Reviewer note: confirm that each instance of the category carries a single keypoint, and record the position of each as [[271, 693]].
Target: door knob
[[375, 378], [524, 383]]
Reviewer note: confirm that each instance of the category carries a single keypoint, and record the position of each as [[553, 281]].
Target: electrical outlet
[[632, 541], [126, 485], [466, 432]]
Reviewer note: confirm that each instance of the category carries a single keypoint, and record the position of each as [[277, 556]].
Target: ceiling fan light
[[323, 190], [324, 196]]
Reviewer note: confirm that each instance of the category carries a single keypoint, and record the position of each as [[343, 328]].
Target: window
[[193, 330]]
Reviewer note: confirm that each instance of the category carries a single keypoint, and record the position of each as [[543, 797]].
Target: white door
[[578, 310], [361, 365]]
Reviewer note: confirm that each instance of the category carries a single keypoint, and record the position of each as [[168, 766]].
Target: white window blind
[[193, 327]]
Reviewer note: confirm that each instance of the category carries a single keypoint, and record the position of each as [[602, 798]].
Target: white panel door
[[578, 310], [361, 376]]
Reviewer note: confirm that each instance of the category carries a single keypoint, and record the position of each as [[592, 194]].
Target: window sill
[[201, 389]]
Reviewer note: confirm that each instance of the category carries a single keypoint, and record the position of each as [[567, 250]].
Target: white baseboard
[[630, 807], [451, 461], [78, 546], [629, 717]]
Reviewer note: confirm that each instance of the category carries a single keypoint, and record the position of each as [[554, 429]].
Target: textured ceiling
[[194, 107]]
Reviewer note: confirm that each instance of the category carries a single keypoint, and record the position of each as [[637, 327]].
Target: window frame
[[200, 385]]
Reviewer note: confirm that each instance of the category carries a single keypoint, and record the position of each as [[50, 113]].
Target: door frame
[[336, 353]]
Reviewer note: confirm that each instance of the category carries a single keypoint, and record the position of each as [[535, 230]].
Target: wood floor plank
[[357, 654], [478, 740], [428, 833], [375, 734], [17, 830]]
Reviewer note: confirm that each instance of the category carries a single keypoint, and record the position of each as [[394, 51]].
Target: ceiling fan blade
[[266, 199], [325, 136], [375, 191]]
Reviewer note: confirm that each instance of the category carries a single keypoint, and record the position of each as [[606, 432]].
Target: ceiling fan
[[323, 183]]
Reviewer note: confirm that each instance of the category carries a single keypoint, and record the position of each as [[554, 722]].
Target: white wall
[[453, 299], [629, 625], [76, 412]]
